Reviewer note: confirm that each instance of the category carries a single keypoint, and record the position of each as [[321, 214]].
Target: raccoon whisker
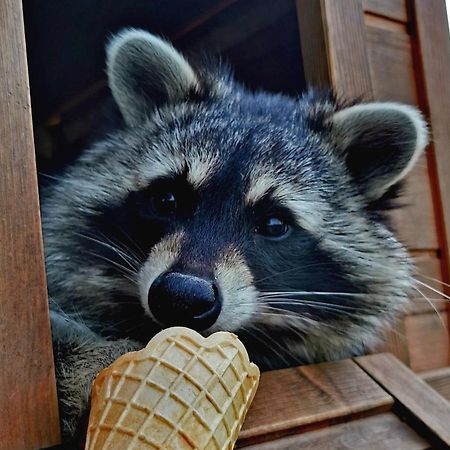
[[259, 339], [283, 272], [123, 247], [125, 257], [132, 241], [320, 308], [307, 320], [267, 338], [288, 301], [63, 180], [434, 279], [432, 289], [431, 304], [124, 270], [276, 293]]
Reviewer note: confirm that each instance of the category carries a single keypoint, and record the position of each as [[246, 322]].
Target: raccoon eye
[[165, 203], [273, 228]]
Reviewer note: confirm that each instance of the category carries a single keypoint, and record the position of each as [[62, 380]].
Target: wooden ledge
[[382, 402]]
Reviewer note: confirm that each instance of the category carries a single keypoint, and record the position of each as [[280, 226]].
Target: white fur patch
[[412, 113], [239, 296], [162, 256], [260, 186], [308, 209], [201, 168]]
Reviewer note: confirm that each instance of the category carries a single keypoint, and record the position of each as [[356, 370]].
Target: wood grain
[[427, 336], [380, 432], [439, 380], [393, 9], [429, 271], [293, 399], [415, 219], [396, 342], [433, 48], [312, 42], [345, 37], [28, 407], [414, 394], [390, 60]]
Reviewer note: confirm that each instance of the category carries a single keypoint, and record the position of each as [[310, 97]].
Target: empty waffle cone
[[182, 391]]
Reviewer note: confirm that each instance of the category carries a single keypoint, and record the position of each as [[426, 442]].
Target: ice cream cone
[[182, 391]]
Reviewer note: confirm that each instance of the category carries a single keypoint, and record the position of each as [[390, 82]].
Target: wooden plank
[[433, 49], [428, 271], [380, 432], [28, 406], [416, 396], [415, 220], [396, 342], [312, 42], [439, 380], [345, 37], [293, 399], [393, 9], [391, 61], [427, 336]]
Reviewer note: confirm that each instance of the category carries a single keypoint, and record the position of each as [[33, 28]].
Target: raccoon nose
[[179, 299]]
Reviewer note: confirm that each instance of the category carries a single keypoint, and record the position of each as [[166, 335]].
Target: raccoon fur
[[223, 209]]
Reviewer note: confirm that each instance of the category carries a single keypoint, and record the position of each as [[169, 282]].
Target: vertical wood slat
[[333, 42], [346, 47], [312, 43], [433, 46], [28, 404]]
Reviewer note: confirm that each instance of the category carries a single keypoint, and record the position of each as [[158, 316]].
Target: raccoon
[[218, 208]]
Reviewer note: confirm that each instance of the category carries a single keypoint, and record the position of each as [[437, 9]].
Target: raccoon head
[[222, 209]]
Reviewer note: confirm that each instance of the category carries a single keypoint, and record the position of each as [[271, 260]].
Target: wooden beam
[[347, 51], [432, 54], [294, 400], [312, 44], [439, 379], [28, 405], [383, 431], [416, 396]]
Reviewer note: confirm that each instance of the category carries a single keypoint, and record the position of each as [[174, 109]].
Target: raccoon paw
[[77, 364]]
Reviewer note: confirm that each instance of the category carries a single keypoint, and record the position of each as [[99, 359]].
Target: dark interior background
[[65, 43]]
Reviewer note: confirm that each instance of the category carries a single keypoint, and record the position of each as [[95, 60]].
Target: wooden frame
[[395, 51], [335, 35], [28, 406], [369, 402]]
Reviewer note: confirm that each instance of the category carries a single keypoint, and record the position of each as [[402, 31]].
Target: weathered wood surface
[[380, 432], [439, 380], [313, 45], [414, 394], [28, 407], [433, 48], [345, 37], [416, 219], [390, 59], [428, 340], [392, 9], [293, 399]]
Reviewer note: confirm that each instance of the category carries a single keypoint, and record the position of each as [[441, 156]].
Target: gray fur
[[145, 71], [233, 148]]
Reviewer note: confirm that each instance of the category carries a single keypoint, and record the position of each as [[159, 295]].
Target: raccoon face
[[221, 209]]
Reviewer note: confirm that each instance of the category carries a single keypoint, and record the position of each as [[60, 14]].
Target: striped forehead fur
[[306, 205]]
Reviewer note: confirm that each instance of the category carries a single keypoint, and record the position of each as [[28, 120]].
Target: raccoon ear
[[145, 72], [380, 142]]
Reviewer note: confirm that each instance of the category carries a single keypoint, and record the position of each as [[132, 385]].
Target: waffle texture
[[182, 391]]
